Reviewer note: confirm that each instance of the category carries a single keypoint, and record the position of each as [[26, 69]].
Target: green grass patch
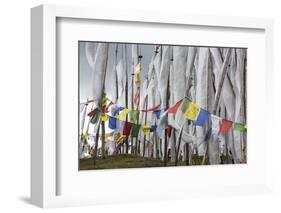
[[129, 161]]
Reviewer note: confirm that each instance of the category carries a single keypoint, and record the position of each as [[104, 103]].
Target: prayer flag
[[103, 117], [119, 138], [146, 130], [185, 105], [104, 100], [239, 127], [134, 116], [94, 111], [202, 117], [225, 126], [127, 128], [174, 108], [107, 107], [215, 124], [153, 128], [118, 110], [160, 133], [137, 74], [112, 122], [84, 136], [95, 118], [169, 131], [123, 114], [120, 126], [158, 113], [192, 111], [137, 98], [135, 130], [163, 120]]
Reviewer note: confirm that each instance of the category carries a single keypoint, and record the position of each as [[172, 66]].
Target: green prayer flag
[[239, 127], [185, 105], [135, 130], [134, 115], [95, 118]]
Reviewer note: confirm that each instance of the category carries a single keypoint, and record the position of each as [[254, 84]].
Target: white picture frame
[[44, 83]]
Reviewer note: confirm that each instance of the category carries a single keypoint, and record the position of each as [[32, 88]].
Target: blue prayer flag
[[202, 117], [157, 112], [118, 110], [112, 122], [153, 128]]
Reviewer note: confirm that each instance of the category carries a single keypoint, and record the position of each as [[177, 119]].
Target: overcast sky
[[85, 73]]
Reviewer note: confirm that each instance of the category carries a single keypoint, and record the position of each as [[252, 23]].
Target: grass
[[128, 161]]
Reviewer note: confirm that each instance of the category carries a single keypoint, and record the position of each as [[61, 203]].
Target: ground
[[127, 161]]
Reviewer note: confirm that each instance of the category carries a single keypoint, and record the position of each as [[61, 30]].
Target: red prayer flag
[[225, 126], [90, 114], [174, 108], [169, 131], [127, 128]]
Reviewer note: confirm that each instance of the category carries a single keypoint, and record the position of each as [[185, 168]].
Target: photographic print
[[159, 105]]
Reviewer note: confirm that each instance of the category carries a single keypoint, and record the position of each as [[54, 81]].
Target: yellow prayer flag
[[192, 111], [103, 117], [146, 130], [84, 136], [123, 114]]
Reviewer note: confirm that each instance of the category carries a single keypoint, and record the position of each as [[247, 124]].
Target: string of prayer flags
[[94, 111], [135, 130], [120, 126], [153, 128], [192, 111], [112, 122], [174, 108], [134, 115], [95, 118], [146, 130], [239, 127], [169, 131], [225, 126], [202, 117], [103, 117], [122, 115], [185, 105], [216, 121], [127, 128]]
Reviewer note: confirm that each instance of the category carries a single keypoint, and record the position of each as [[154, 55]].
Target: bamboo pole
[[217, 97], [166, 135], [96, 144], [126, 95], [145, 121]]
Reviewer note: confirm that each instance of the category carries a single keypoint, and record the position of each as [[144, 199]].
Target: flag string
[[191, 110]]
